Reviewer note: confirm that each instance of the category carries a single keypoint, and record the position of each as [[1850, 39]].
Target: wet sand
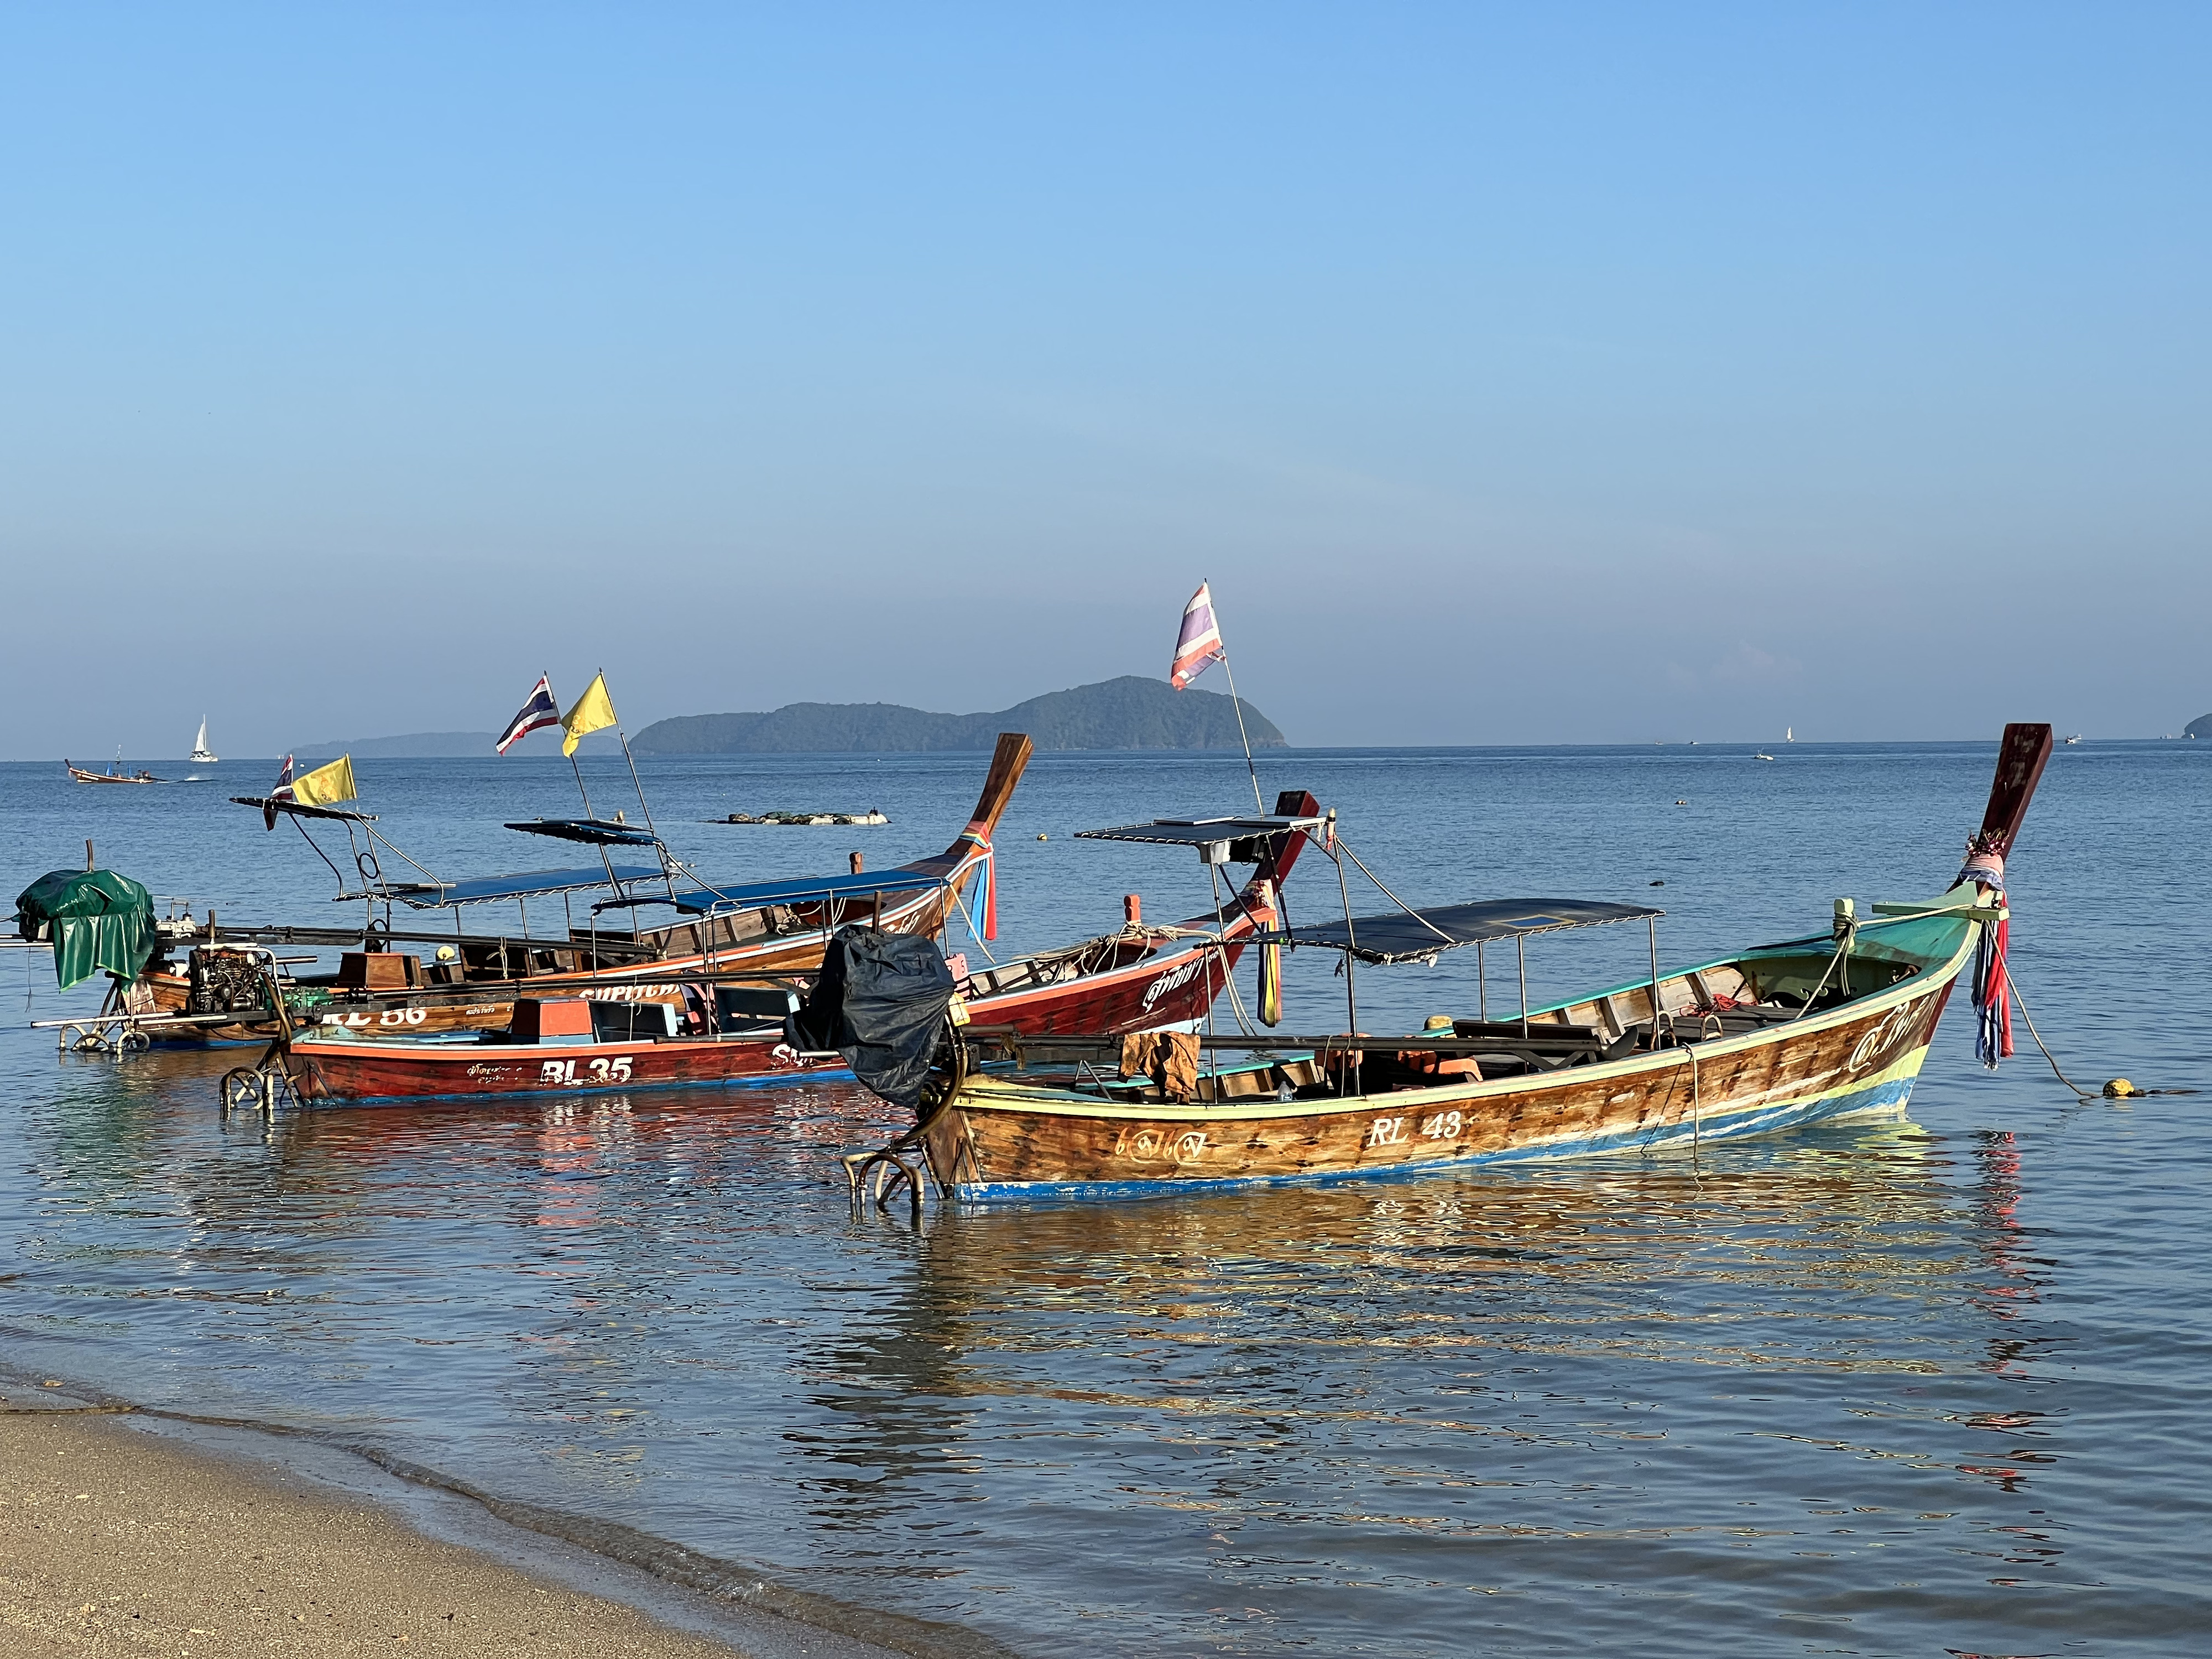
[[114, 1541]]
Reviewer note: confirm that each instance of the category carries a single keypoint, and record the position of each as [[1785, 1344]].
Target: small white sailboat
[[1789, 734], [202, 755]]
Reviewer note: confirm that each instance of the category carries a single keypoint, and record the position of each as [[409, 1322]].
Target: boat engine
[[227, 982]]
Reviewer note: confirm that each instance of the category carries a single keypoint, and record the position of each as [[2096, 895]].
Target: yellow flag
[[326, 786], [594, 712]]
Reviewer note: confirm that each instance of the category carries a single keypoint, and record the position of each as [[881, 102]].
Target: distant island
[[2199, 727], [418, 745], [1129, 712]]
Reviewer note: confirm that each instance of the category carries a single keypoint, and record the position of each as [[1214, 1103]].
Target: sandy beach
[[114, 1541]]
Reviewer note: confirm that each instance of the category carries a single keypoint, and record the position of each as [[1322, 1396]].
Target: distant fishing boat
[[1828, 1028], [2076, 737], [114, 774], [202, 755], [869, 819], [1762, 755]]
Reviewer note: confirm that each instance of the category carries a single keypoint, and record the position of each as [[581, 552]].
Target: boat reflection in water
[[652, 1312], [1302, 1318]]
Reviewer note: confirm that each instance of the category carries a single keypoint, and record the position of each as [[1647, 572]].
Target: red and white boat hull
[[325, 1070]]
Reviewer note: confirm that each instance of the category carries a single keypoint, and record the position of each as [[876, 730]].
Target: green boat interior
[[1715, 1002]]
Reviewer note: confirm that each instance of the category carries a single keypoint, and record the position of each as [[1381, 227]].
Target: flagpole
[[573, 766], [1237, 703], [666, 879], [606, 862], [624, 738]]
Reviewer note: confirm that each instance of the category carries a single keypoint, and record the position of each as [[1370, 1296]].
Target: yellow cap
[[2120, 1088], [1439, 1023]]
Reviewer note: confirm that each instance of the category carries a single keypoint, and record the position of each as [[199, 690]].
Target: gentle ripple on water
[[1932, 1386]]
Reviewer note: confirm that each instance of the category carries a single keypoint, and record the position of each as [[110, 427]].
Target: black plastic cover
[[880, 1002]]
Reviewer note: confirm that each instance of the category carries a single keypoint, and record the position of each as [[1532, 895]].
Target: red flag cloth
[[990, 892], [1992, 996]]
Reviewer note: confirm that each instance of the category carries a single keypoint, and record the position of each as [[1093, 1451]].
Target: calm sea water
[[1905, 1390]]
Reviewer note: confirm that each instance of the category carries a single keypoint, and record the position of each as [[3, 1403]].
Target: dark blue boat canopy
[[1219, 841], [751, 896], [599, 832], [301, 810], [1400, 936], [531, 884], [1198, 832]]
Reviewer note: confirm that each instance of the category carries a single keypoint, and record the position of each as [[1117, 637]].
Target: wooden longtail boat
[[1137, 979], [329, 1068], [1828, 1027], [115, 775], [721, 932], [1144, 977]]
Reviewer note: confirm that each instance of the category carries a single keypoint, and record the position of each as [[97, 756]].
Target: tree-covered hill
[[1129, 712]]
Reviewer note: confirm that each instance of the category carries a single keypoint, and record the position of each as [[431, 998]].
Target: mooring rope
[[1842, 944], [975, 934], [2118, 1089], [1220, 943], [1392, 896], [2012, 985]]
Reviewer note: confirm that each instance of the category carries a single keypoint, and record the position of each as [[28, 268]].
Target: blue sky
[[1515, 373]]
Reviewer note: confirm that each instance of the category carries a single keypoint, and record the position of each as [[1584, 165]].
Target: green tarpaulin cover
[[96, 918]]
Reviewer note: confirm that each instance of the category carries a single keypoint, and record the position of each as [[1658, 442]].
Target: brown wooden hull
[[790, 940], [998, 1139]]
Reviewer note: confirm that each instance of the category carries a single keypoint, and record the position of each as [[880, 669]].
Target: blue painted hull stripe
[[1885, 1098], [569, 1092]]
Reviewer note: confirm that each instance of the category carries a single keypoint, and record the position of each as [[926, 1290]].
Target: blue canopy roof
[[751, 896], [1414, 935], [1200, 832], [601, 832], [431, 896]]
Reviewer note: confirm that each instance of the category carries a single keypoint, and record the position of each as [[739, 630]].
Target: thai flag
[[281, 791], [1199, 642], [537, 714]]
